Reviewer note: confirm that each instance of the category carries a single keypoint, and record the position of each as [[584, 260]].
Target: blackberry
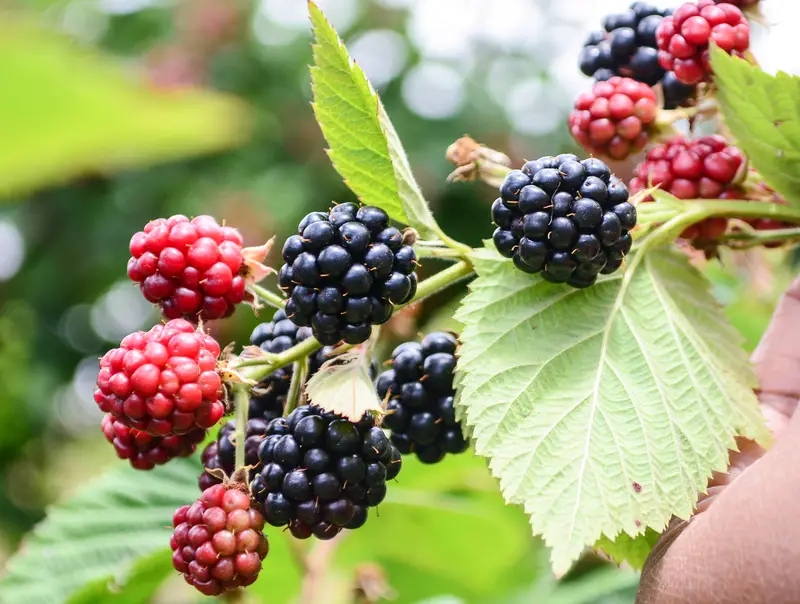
[[344, 271], [419, 386], [321, 473], [683, 38], [192, 269], [164, 381], [573, 217], [218, 542], [626, 46]]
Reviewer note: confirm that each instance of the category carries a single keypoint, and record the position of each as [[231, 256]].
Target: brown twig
[[316, 563]]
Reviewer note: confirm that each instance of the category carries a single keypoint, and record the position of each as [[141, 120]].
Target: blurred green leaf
[[66, 111], [138, 585], [763, 113], [364, 146], [99, 534], [633, 550]]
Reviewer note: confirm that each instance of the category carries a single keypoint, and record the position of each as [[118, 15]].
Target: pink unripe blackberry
[[192, 269], [684, 37], [614, 118], [706, 167], [218, 544], [144, 451], [164, 381]]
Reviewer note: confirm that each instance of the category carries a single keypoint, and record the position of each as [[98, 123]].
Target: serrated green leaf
[[343, 385], [364, 146], [606, 409], [138, 585], [633, 550], [99, 534], [67, 112], [763, 113]]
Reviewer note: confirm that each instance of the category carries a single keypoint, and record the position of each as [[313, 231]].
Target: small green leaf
[[99, 534], [633, 550], [606, 409], [364, 146], [137, 585], [66, 111], [343, 385], [763, 113]]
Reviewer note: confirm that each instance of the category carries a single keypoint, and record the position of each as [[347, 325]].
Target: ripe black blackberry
[[419, 385], [626, 46], [565, 218], [344, 272], [321, 473]]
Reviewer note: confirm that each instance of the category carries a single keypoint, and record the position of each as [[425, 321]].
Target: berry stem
[[299, 374], [753, 238], [242, 403], [258, 369], [263, 294]]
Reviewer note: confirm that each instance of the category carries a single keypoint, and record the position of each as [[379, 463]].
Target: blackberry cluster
[[191, 268], [626, 46], [218, 544], [614, 119], [683, 38], [565, 218], [420, 389], [321, 473], [143, 451], [344, 270], [163, 381]]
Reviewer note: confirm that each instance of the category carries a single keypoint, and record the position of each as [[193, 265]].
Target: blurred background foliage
[[505, 72]]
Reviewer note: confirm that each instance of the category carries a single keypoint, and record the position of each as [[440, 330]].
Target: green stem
[[263, 294], [462, 248], [746, 239], [299, 375], [260, 368], [241, 400]]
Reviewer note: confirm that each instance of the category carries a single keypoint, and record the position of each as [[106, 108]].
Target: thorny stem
[[260, 368], [754, 238], [298, 379], [266, 295], [240, 398]]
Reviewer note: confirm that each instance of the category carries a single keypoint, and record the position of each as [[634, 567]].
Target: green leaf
[[343, 385], [138, 585], [364, 146], [633, 550], [66, 111], [606, 409], [763, 113], [98, 535]]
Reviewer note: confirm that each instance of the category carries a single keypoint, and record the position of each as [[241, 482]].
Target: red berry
[[702, 168], [190, 268], [212, 557], [613, 119], [145, 451], [683, 38], [162, 382]]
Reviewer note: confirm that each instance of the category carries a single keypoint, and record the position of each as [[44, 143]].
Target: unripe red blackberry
[[706, 167], [684, 37], [218, 543], [419, 386], [614, 118], [320, 473], [192, 269], [145, 451], [344, 271], [163, 381]]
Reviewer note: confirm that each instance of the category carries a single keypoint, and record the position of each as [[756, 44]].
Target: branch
[[315, 565], [263, 294]]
